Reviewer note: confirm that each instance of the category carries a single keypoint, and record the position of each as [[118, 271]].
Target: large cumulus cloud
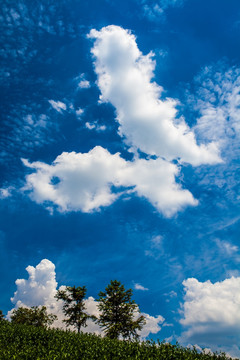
[[147, 124], [211, 314], [84, 182], [146, 121]]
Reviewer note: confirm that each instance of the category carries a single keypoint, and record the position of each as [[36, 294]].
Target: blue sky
[[119, 155]]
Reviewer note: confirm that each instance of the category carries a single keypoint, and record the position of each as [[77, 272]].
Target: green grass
[[31, 343]]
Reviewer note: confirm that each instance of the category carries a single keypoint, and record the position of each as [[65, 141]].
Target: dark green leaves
[[36, 316], [74, 306], [1, 316], [119, 314], [23, 342]]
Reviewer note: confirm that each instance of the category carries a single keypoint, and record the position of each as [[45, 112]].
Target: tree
[[1, 316], [118, 312], [36, 316], [74, 306]]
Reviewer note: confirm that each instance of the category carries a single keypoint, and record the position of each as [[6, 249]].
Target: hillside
[[31, 343]]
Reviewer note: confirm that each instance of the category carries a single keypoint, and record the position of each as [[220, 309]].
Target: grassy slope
[[30, 343]]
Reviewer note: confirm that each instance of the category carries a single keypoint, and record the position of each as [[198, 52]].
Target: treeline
[[119, 315], [28, 336]]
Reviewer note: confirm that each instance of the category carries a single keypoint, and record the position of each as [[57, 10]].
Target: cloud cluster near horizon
[[147, 124], [211, 314], [40, 289]]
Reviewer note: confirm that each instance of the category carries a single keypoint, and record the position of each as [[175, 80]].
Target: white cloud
[[20, 18], [40, 289], [218, 100], [155, 180], [156, 249], [157, 241], [226, 247], [27, 129], [146, 121], [140, 287], [81, 81], [156, 10], [152, 325], [84, 84], [101, 127], [40, 286], [71, 182], [5, 192], [79, 187], [172, 294], [95, 126], [90, 126], [211, 314], [79, 112], [152, 12], [92, 309], [58, 105]]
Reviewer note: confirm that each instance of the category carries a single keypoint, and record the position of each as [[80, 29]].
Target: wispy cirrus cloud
[[217, 99], [140, 287], [226, 247], [59, 106], [22, 25], [26, 129], [155, 10], [27, 30]]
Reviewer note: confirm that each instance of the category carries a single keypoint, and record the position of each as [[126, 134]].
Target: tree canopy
[[74, 306], [119, 314], [36, 316]]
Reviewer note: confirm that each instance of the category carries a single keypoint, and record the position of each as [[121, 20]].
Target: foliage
[[118, 312], [36, 316], [74, 306], [1, 316], [23, 342]]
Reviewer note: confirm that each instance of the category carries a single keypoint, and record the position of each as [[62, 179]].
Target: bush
[[36, 316]]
